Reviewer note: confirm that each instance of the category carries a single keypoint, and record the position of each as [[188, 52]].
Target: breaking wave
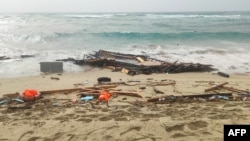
[[182, 35]]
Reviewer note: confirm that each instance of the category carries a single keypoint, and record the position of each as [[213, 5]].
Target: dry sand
[[54, 119]]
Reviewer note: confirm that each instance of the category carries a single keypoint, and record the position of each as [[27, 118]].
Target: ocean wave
[[182, 35], [190, 16], [89, 15], [206, 51]]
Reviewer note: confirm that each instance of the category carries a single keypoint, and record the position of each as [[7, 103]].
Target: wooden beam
[[215, 87]]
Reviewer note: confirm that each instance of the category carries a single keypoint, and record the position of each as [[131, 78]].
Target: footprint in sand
[[136, 128], [178, 127], [85, 120], [121, 119], [178, 135], [105, 118], [197, 125]]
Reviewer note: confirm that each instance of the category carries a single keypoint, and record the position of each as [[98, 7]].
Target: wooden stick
[[106, 86], [135, 94], [215, 87], [11, 95], [160, 84], [157, 91], [109, 83], [191, 96], [234, 90]]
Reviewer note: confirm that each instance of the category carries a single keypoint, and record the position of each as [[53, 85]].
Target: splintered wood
[[222, 86], [138, 64]]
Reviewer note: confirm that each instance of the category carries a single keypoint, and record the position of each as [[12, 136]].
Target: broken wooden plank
[[234, 90], [171, 97], [223, 74], [162, 83], [157, 91], [110, 83], [215, 87], [139, 59], [13, 95]]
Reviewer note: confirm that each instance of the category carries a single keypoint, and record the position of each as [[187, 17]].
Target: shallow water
[[217, 38]]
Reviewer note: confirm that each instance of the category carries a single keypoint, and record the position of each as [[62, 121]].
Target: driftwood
[[162, 83], [215, 87], [110, 83], [234, 90], [222, 86], [13, 95], [172, 98], [107, 54], [111, 59], [105, 86], [223, 74], [157, 91]]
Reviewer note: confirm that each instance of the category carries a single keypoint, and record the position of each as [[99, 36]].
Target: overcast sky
[[122, 5]]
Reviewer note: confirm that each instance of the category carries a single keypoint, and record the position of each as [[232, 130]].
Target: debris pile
[[137, 64], [106, 90], [220, 87]]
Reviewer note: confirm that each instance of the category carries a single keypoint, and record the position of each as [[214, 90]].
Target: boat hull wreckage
[[137, 64]]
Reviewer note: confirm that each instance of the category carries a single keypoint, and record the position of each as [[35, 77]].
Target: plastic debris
[[223, 97], [18, 100], [2, 102], [104, 96], [87, 98]]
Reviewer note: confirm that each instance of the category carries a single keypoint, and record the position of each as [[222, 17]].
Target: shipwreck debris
[[223, 74], [137, 64], [191, 98]]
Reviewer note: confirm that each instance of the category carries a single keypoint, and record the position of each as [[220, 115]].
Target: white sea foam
[[190, 16], [48, 37], [90, 15]]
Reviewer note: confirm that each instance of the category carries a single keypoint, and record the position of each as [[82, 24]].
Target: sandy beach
[[55, 117]]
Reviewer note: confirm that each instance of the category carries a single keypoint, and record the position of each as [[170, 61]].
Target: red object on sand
[[30, 95], [104, 96]]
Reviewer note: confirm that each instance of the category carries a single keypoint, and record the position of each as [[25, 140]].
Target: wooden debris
[[110, 83], [215, 87], [157, 91], [55, 78], [172, 98], [128, 63], [222, 86], [223, 74], [140, 59], [162, 83], [13, 95], [234, 90], [142, 88]]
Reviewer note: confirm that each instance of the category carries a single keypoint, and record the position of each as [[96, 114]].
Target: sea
[[221, 39]]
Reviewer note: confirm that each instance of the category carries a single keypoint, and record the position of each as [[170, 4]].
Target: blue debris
[[3, 101], [87, 98], [223, 97], [18, 100]]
